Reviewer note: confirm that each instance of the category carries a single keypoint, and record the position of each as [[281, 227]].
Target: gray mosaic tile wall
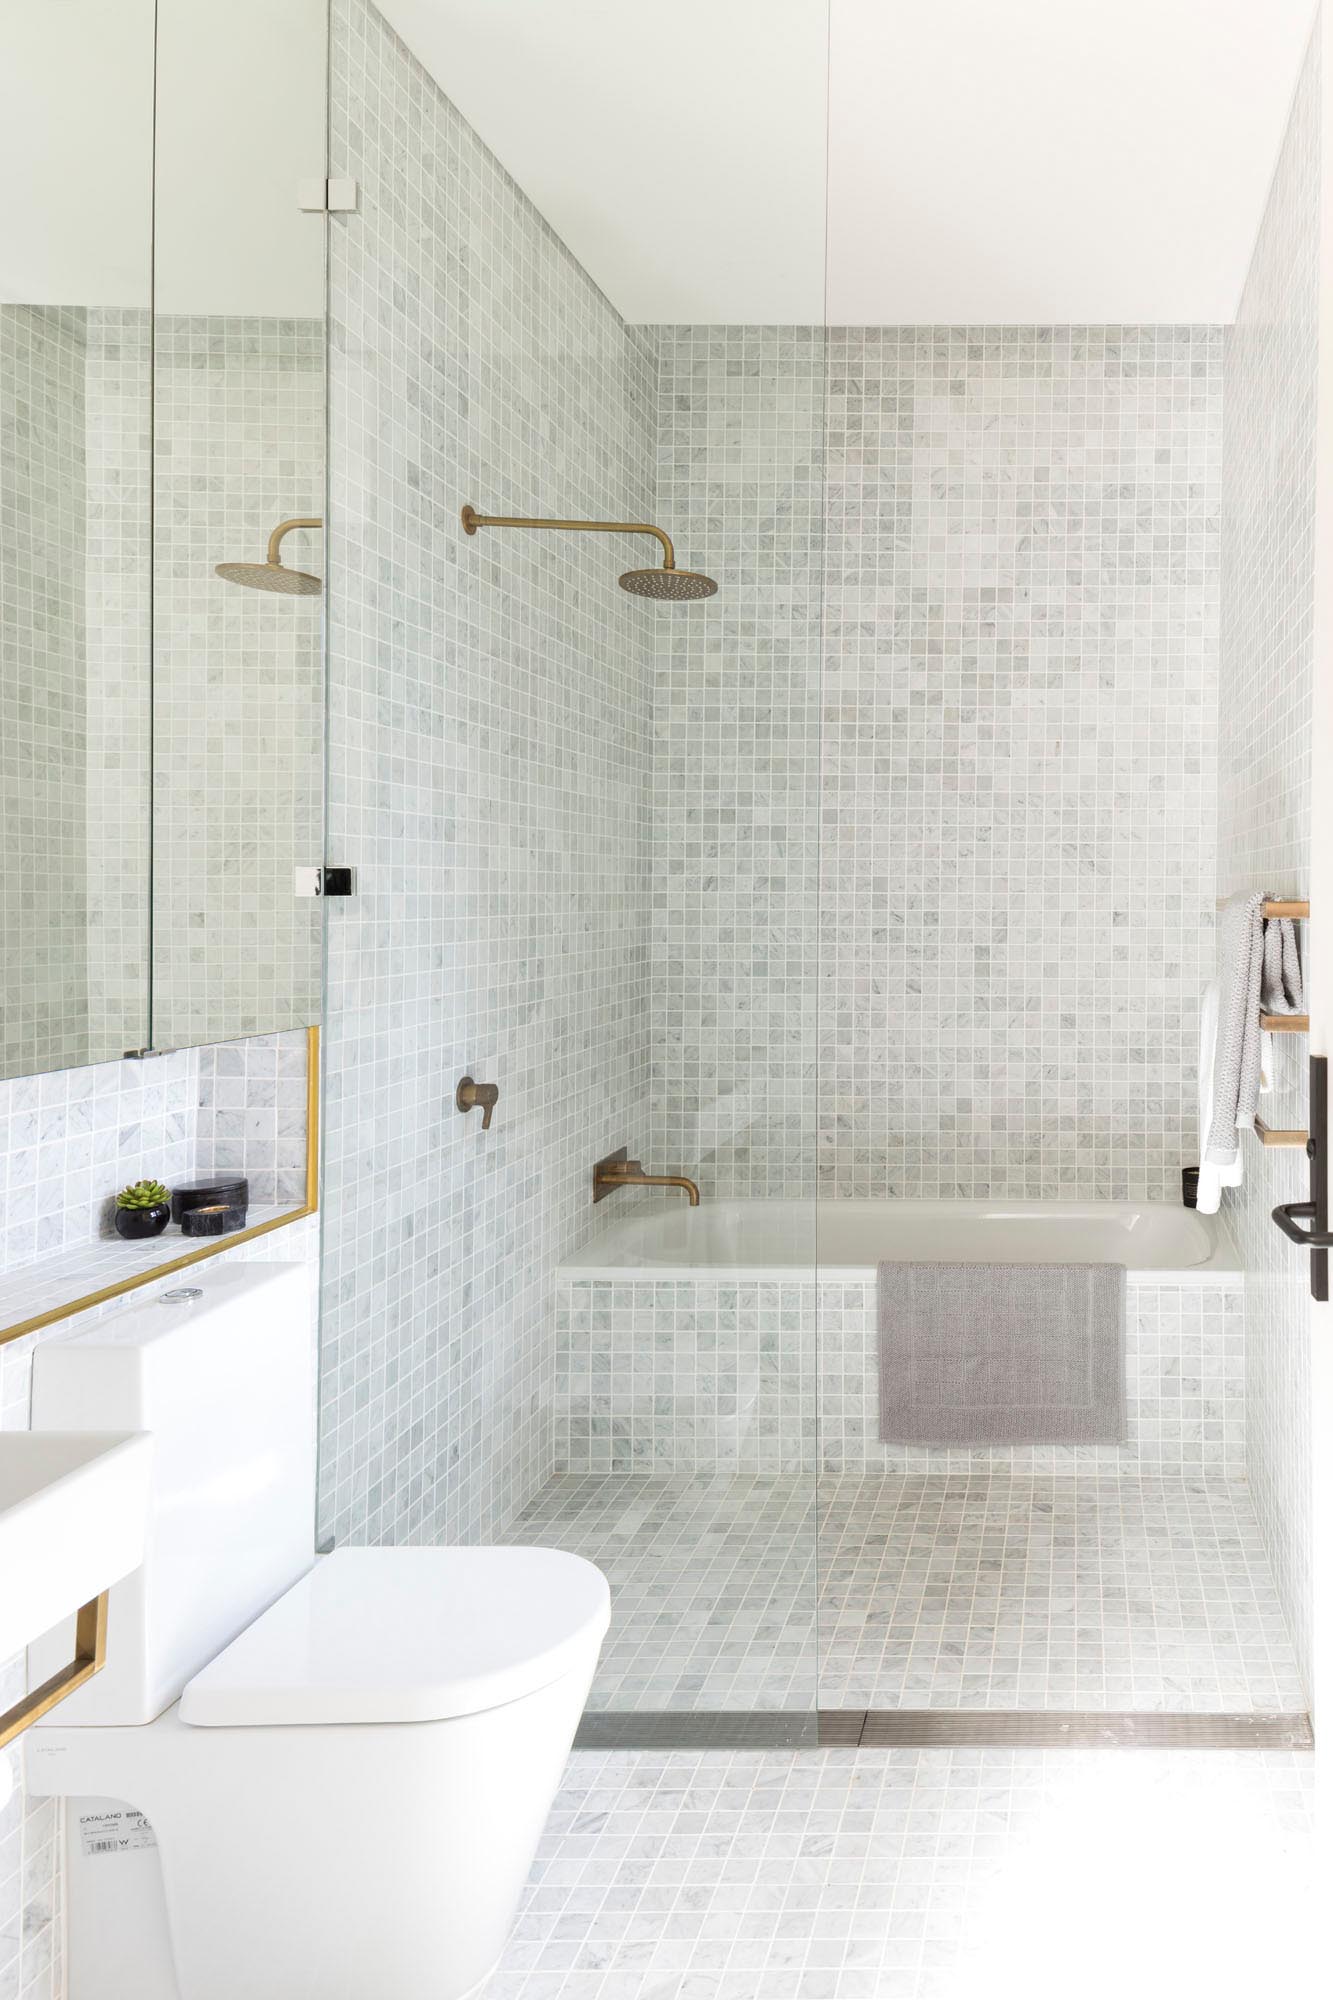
[[43, 710], [489, 719], [68, 1140], [1008, 934], [252, 1114], [736, 779], [238, 676], [118, 447], [1264, 790], [696, 1375], [1020, 683]]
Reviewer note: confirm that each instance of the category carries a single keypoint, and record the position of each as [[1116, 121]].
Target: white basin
[[73, 1510]]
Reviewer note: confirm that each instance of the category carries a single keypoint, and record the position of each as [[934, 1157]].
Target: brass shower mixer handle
[[471, 1096]]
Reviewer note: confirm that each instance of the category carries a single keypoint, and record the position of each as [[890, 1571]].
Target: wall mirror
[[162, 413], [238, 450], [76, 150]]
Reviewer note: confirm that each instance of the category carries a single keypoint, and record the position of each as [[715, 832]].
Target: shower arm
[[472, 520], [285, 528]]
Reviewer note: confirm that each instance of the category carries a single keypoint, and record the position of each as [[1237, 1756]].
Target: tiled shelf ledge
[[52, 1288]]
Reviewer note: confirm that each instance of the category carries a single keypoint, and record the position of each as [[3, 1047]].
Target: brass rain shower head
[[678, 585], [274, 574]]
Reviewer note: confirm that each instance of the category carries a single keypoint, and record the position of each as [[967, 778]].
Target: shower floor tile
[[922, 1875], [935, 1591]]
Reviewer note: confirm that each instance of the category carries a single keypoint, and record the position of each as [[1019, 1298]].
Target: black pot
[[136, 1222]]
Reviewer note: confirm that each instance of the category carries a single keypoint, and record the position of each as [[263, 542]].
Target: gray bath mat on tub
[[1002, 1353]]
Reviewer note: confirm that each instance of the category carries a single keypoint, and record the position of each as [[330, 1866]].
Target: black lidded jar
[[211, 1191]]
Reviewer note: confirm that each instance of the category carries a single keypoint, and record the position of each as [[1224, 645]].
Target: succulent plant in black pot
[[143, 1209]]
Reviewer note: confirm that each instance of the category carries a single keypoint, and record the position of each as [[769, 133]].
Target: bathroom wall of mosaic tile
[[736, 779], [43, 706], [490, 740], [1268, 493], [1007, 932], [1020, 679], [238, 680], [118, 448], [690, 1374]]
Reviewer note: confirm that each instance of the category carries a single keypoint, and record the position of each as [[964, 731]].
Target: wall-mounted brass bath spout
[[679, 585], [617, 1170]]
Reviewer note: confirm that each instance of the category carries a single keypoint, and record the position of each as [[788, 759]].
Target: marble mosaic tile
[[910, 1590], [43, 697], [1020, 676], [690, 1374], [490, 711], [118, 447], [740, 425], [238, 676], [922, 1875]]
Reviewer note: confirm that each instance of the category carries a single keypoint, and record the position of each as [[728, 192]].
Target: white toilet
[[346, 1761]]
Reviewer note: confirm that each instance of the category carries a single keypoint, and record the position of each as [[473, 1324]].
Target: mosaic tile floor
[[936, 1591], [921, 1875]]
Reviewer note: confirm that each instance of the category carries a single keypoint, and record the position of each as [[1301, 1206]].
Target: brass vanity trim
[[89, 1659], [216, 1245]]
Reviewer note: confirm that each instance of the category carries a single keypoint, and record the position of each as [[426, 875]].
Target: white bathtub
[[843, 1241]]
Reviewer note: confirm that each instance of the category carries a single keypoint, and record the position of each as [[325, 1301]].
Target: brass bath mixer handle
[[469, 1096]]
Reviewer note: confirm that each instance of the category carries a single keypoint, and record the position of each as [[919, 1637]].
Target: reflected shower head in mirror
[[274, 574], [678, 586]]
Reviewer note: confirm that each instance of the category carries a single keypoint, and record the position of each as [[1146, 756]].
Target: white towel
[[1258, 971], [1232, 1087]]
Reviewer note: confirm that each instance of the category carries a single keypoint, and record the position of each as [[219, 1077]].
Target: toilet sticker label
[[114, 1832]]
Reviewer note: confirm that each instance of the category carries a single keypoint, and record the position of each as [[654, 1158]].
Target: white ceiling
[[233, 137], [987, 160]]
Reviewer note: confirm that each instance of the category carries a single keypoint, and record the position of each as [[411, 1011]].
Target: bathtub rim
[[1222, 1267]]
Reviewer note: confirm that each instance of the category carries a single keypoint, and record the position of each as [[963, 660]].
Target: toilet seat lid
[[407, 1635]]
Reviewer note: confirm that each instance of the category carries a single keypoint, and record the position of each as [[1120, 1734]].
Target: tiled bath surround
[[692, 1375], [1268, 491], [735, 773], [1012, 917], [489, 754], [1020, 678], [68, 1141]]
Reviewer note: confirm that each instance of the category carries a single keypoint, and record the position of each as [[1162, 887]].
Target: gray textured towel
[[1282, 989], [1002, 1353]]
